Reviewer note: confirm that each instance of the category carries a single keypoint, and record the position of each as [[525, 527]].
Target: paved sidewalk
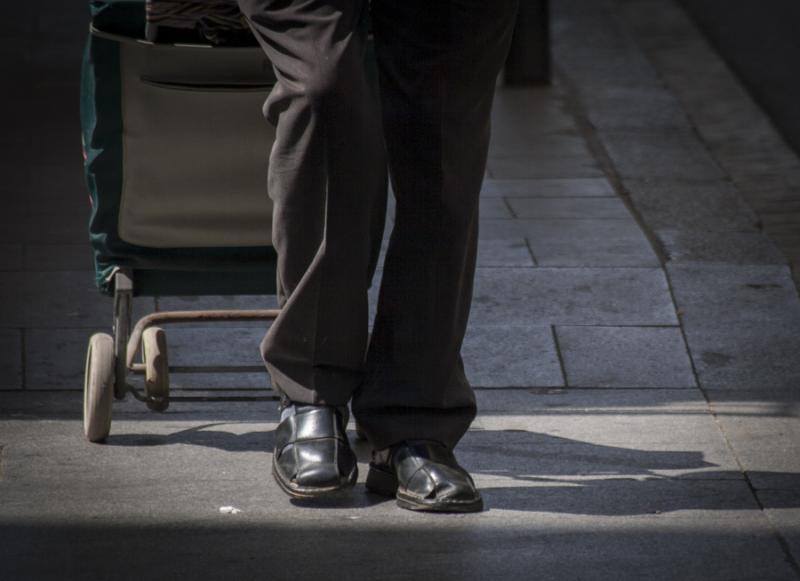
[[633, 340]]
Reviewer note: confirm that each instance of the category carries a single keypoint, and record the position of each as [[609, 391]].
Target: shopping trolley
[[176, 152]]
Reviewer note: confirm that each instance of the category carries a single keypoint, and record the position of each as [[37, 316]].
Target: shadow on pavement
[[540, 472]]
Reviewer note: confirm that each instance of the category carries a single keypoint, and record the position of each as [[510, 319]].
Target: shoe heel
[[381, 482]]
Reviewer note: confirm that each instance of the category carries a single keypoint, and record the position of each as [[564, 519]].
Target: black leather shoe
[[312, 454], [423, 475]]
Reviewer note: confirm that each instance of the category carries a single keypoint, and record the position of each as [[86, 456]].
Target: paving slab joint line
[[560, 356], [530, 251], [784, 544], [508, 207], [782, 541], [598, 150]]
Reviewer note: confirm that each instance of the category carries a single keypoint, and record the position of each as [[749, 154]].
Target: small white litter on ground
[[229, 510]]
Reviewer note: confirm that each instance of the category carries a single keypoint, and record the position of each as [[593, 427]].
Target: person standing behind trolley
[[438, 61]]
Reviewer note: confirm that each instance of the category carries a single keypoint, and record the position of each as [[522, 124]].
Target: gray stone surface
[[511, 357], [725, 114], [569, 208], [55, 357], [615, 108], [625, 357], [494, 208], [212, 346], [571, 296], [10, 256], [541, 146], [547, 187], [592, 483], [213, 302], [594, 67], [746, 356], [63, 299], [50, 228], [763, 427], [603, 433], [719, 297], [782, 508], [504, 252], [522, 167], [10, 359], [680, 204], [577, 242], [566, 488], [58, 257], [660, 155], [531, 112], [65, 176], [702, 247]]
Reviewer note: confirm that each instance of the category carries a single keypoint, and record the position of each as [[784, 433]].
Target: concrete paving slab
[[660, 155], [648, 108], [746, 356], [529, 111], [691, 206], [51, 228], [218, 382], [607, 498], [66, 177], [782, 508], [523, 167], [547, 187], [578, 296], [569, 208], [609, 433], [10, 256], [462, 548], [504, 252], [217, 302], [507, 250], [58, 257], [61, 299], [511, 357], [540, 146], [10, 359], [217, 346], [577, 242], [703, 247], [55, 358], [763, 428], [625, 357], [593, 67], [494, 208], [590, 243], [717, 297]]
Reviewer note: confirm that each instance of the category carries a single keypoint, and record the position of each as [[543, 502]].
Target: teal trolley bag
[[176, 152]]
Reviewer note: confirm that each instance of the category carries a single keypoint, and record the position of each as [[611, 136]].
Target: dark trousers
[[438, 61]]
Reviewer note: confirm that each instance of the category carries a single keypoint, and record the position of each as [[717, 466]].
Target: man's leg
[[438, 63], [327, 179]]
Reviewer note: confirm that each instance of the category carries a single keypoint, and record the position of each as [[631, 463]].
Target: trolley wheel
[[156, 375], [98, 387]]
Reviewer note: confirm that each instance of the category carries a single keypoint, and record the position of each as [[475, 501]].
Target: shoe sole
[[385, 483], [311, 492]]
